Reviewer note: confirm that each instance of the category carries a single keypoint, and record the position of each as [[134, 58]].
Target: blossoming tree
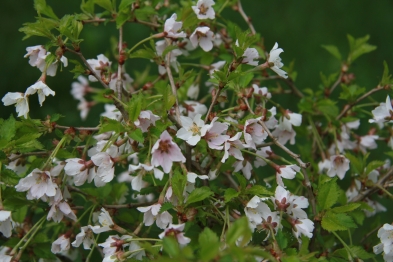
[[193, 159]]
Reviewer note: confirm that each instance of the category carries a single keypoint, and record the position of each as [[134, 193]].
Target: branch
[[30, 154], [350, 105], [275, 140], [245, 17], [119, 82], [338, 81], [130, 205], [78, 128]]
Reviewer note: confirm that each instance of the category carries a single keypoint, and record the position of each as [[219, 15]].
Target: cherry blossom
[[339, 166], [232, 147], [79, 169], [193, 91], [264, 152], [137, 183], [61, 244], [171, 28], [151, 214], [6, 223], [176, 231], [214, 136], [250, 54], [254, 134], [58, 210], [192, 130], [385, 233], [275, 61], [216, 66], [204, 9], [290, 119], [36, 55], [38, 184], [288, 172], [99, 66], [165, 152], [204, 37], [86, 237], [145, 120], [382, 113], [244, 166], [261, 91], [41, 89], [193, 108], [20, 100], [105, 165], [105, 221], [81, 88], [52, 68], [302, 226]]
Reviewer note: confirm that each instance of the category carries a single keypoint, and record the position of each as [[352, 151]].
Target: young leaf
[[209, 244], [239, 229], [7, 129], [333, 50], [346, 208], [328, 194], [385, 77], [106, 4], [108, 124], [170, 246], [337, 221], [229, 194], [358, 47], [178, 183], [199, 194], [258, 190], [43, 8]]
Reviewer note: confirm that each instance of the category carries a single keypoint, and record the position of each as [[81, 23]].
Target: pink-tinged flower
[[288, 172], [100, 66], [112, 245], [6, 223], [52, 68], [368, 142], [105, 221], [84, 106], [151, 214], [126, 80], [204, 37], [214, 134], [216, 66], [192, 130], [260, 216], [79, 169], [254, 134], [86, 237], [60, 244], [81, 88], [284, 136], [193, 91], [289, 120], [41, 89], [145, 119], [275, 61], [302, 226], [20, 100], [232, 147], [165, 152], [291, 204], [36, 55], [193, 108], [250, 54], [385, 233], [261, 91], [137, 182], [171, 28], [244, 166], [38, 184], [176, 231], [204, 9], [58, 210], [106, 169], [339, 166], [383, 113]]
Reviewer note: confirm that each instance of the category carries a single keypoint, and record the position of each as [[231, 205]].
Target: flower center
[[203, 9], [164, 146], [194, 129]]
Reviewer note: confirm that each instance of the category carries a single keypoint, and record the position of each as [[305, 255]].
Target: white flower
[[60, 244], [193, 91], [289, 120], [113, 244], [204, 36], [213, 136], [5, 223], [20, 100], [192, 130], [232, 147], [111, 112], [79, 89], [263, 152], [58, 210], [165, 152], [151, 213], [85, 236], [244, 166], [216, 66], [383, 113], [284, 135], [250, 54], [254, 134], [105, 221], [137, 182], [261, 91], [171, 28], [145, 119], [41, 89], [193, 108], [78, 169], [99, 66], [191, 179], [176, 231], [275, 61], [288, 172], [36, 55], [368, 142], [339, 166], [5, 258], [385, 233], [38, 184], [52, 68], [106, 169], [303, 226], [204, 9]]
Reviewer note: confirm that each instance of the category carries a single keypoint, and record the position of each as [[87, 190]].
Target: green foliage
[[358, 47], [333, 50], [209, 243], [328, 194], [198, 194], [333, 221]]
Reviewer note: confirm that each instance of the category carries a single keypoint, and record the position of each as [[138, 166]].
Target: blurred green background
[[300, 28]]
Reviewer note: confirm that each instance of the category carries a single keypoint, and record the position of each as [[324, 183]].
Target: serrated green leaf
[[333, 50], [125, 3], [135, 107], [373, 165], [356, 164], [337, 221], [199, 194], [282, 240], [109, 125], [209, 243], [9, 177], [258, 190], [229, 194], [239, 229], [106, 4], [136, 135], [170, 246], [328, 108], [43, 8], [360, 252], [328, 194], [385, 77], [346, 208], [242, 181], [87, 6], [358, 47], [19, 214], [178, 184], [244, 80], [7, 129]]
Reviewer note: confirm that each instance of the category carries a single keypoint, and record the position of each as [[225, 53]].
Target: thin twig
[[78, 128], [130, 205], [310, 192], [276, 142], [119, 82], [245, 17], [30, 154], [103, 20], [350, 105], [214, 101], [338, 81], [172, 82]]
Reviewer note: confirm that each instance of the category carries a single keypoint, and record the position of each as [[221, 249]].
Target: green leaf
[[7, 129], [385, 77], [373, 165], [122, 16], [199, 194], [337, 221], [358, 47], [125, 3], [328, 108], [327, 81], [168, 49], [43, 8], [42, 250], [333, 50], [166, 206], [258, 190], [135, 106], [19, 214], [358, 216], [229, 194], [136, 135], [346, 208], [109, 125], [239, 229], [9, 177], [245, 80], [87, 6], [328, 194], [168, 98], [350, 93], [209, 243], [178, 184], [106, 4], [282, 240], [242, 180], [171, 247], [360, 252]]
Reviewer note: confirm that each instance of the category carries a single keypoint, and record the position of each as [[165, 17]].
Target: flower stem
[[54, 152], [145, 40]]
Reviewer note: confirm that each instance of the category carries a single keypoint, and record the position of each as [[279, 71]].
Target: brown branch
[[362, 195], [311, 195], [338, 81], [245, 17], [29, 154], [275, 140], [103, 20], [350, 105], [78, 128], [130, 205], [119, 82]]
